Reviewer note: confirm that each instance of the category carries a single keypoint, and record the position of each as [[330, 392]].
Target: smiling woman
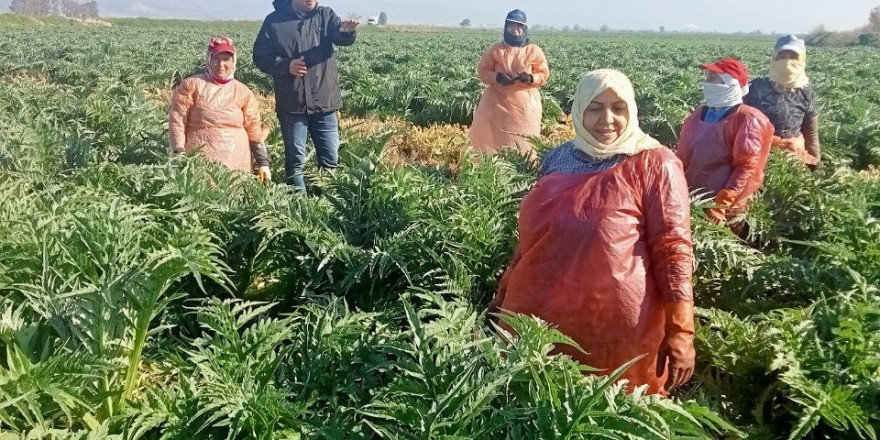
[[606, 117], [610, 124], [220, 60], [222, 65], [216, 116], [605, 247]]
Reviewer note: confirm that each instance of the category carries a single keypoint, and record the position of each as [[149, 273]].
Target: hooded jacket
[[287, 35]]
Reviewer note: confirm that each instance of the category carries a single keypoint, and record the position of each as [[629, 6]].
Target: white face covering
[[728, 94]]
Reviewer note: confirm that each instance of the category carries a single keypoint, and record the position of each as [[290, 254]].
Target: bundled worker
[[218, 116], [724, 144], [789, 101], [510, 108], [605, 251], [295, 46]]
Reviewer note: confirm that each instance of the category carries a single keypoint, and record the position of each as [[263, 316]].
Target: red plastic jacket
[[726, 159], [600, 255]]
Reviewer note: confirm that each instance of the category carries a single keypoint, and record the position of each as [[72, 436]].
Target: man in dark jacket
[[295, 47]]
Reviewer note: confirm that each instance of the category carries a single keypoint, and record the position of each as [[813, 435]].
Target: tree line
[[67, 8], [868, 35]]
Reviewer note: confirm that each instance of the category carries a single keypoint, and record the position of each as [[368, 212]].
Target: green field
[[149, 297]]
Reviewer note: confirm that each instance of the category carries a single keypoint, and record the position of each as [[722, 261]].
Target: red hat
[[732, 67], [220, 45]]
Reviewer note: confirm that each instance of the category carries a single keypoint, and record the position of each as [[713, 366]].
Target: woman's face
[[787, 55], [516, 29], [606, 117], [222, 64]]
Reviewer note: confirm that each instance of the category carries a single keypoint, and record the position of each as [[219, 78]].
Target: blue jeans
[[295, 130]]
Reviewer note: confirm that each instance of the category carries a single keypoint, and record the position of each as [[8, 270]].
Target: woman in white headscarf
[[218, 116], [605, 250], [724, 144], [789, 101]]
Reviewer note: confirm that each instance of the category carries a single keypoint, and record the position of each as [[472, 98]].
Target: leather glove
[[525, 78], [264, 174], [503, 79], [677, 352]]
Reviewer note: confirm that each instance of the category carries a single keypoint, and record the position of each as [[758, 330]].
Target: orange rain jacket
[[219, 119], [507, 111], [726, 159], [796, 146], [601, 255]]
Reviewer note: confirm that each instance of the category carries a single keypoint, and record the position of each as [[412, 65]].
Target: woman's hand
[[525, 78], [677, 352], [264, 175], [678, 355], [716, 216], [503, 79]]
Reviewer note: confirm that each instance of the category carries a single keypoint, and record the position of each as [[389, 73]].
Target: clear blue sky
[[741, 15]]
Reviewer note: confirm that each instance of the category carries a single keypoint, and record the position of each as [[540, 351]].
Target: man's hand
[[349, 26], [298, 67]]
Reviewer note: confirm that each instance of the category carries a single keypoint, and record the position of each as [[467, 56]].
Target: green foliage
[[819, 363], [147, 297]]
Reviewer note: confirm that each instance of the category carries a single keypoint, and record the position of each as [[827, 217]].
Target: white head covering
[[633, 140], [727, 94]]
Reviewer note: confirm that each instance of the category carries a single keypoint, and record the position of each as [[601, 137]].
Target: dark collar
[[729, 112]]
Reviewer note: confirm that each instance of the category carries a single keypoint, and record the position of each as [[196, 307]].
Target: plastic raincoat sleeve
[[340, 38], [178, 114], [667, 215], [750, 150], [486, 68], [540, 69], [252, 123]]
